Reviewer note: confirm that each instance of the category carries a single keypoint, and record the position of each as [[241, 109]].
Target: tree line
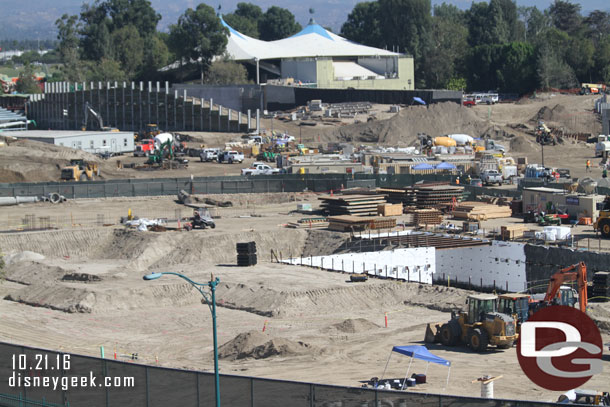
[[492, 45], [495, 45]]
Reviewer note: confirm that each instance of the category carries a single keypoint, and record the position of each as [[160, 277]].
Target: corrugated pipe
[[10, 200]]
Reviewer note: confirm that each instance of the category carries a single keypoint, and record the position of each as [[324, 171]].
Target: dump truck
[[79, 170], [478, 327]]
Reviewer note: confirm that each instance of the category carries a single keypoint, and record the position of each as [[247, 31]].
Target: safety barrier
[[231, 185], [158, 386]]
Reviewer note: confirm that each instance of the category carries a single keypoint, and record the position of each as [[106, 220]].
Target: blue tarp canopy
[[420, 352], [423, 166], [445, 166], [419, 100]]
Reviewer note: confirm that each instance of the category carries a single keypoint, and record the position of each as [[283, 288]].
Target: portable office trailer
[[89, 141]]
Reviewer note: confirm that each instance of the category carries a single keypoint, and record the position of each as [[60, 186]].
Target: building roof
[[312, 41], [53, 134]]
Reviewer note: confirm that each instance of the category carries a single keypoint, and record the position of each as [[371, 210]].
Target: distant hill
[[35, 19]]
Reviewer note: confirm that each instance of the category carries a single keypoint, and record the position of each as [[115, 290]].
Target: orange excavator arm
[[568, 274]]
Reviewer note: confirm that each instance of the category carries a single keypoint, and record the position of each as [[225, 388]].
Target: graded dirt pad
[[258, 345]]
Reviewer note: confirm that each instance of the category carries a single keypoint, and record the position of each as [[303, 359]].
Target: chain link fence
[[129, 384]]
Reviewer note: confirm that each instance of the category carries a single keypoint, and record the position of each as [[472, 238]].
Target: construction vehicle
[[559, 294], [602, 223], [149, 132], [516, 305], [592, 88], [201, 219], [480, 326], [79, 170], [585, 397], [97, 116], [544, 135]]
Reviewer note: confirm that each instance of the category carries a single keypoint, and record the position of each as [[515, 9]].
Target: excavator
[[556, 295], [97, 116]]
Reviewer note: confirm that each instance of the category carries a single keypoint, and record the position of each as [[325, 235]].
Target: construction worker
[[588, 169], [605, 173]]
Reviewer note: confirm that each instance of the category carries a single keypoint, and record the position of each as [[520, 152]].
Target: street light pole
[[212, 284]]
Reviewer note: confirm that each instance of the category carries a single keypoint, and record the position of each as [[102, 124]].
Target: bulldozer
[[602, 224], [480, 326], [79, 170]]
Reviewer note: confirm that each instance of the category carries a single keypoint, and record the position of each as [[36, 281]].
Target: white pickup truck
[[258, 168], [230, 157], [491, 177]]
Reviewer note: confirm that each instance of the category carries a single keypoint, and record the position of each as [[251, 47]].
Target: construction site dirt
[[80, 287]]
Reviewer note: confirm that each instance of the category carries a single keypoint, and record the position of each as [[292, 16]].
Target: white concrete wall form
[[414, 264], [502, 263]]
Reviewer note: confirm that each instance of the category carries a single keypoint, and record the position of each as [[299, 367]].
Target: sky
[[35, 18]]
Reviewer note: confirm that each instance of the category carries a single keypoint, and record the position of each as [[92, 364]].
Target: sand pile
[[26, 255], [323, 242], [57, 297], [403, 128], [548, 114], [29, 272], [258, 345], [353, 326]]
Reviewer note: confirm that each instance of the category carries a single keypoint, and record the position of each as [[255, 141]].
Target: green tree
[[456, 84], [363, 26], [106, 70], [598, 25], [128, 49], [157, 55], [565, 15], [277, 23], [245, 19], [26, 83], [138, 14], [553, 72], [407, 24], [493, 23], [449, 12], [602, 60], [226, 72], [579, 56], [535, 23], [95, 32], [198, 37], [67, 34], [444, 57]]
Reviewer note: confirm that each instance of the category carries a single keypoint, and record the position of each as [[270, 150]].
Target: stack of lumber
[[438, 196], [427, 217], [512, 232], [357, 205], [480, 211], [405, 196], [309, 223], [389, 210], [345, 223]]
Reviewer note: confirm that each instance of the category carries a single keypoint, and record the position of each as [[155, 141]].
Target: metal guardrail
[[157, 386]]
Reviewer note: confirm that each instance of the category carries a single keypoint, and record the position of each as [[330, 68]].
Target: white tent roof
[[311, 41]]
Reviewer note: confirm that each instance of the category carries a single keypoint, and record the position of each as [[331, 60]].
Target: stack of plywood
[[437, 196], [480, 211], [345, 223], [512, 232], [309, 223], [357, 205], [405, 196], [389, 210], [427, 217]]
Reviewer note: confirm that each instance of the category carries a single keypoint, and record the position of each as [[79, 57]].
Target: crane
[[565, 275]]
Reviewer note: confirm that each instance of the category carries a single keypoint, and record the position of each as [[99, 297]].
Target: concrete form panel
[[502, 264]]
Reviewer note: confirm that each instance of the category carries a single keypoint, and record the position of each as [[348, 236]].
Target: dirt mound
[[547, 114], [353, 326], [322, 242], [403, 128], [29, 272], [258, 345], [55, 297], [17, 257]]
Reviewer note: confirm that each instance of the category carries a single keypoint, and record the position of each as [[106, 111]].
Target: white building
[[89, 141]]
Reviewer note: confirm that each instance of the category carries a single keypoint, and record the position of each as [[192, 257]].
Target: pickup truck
[[230, 157], [259, 169], [491, 177], [209, 154]]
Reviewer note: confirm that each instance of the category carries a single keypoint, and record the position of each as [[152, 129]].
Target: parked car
[[259, 168], [230, 157], [491, 177], [564, 173], [469, 102], [209, 154]]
